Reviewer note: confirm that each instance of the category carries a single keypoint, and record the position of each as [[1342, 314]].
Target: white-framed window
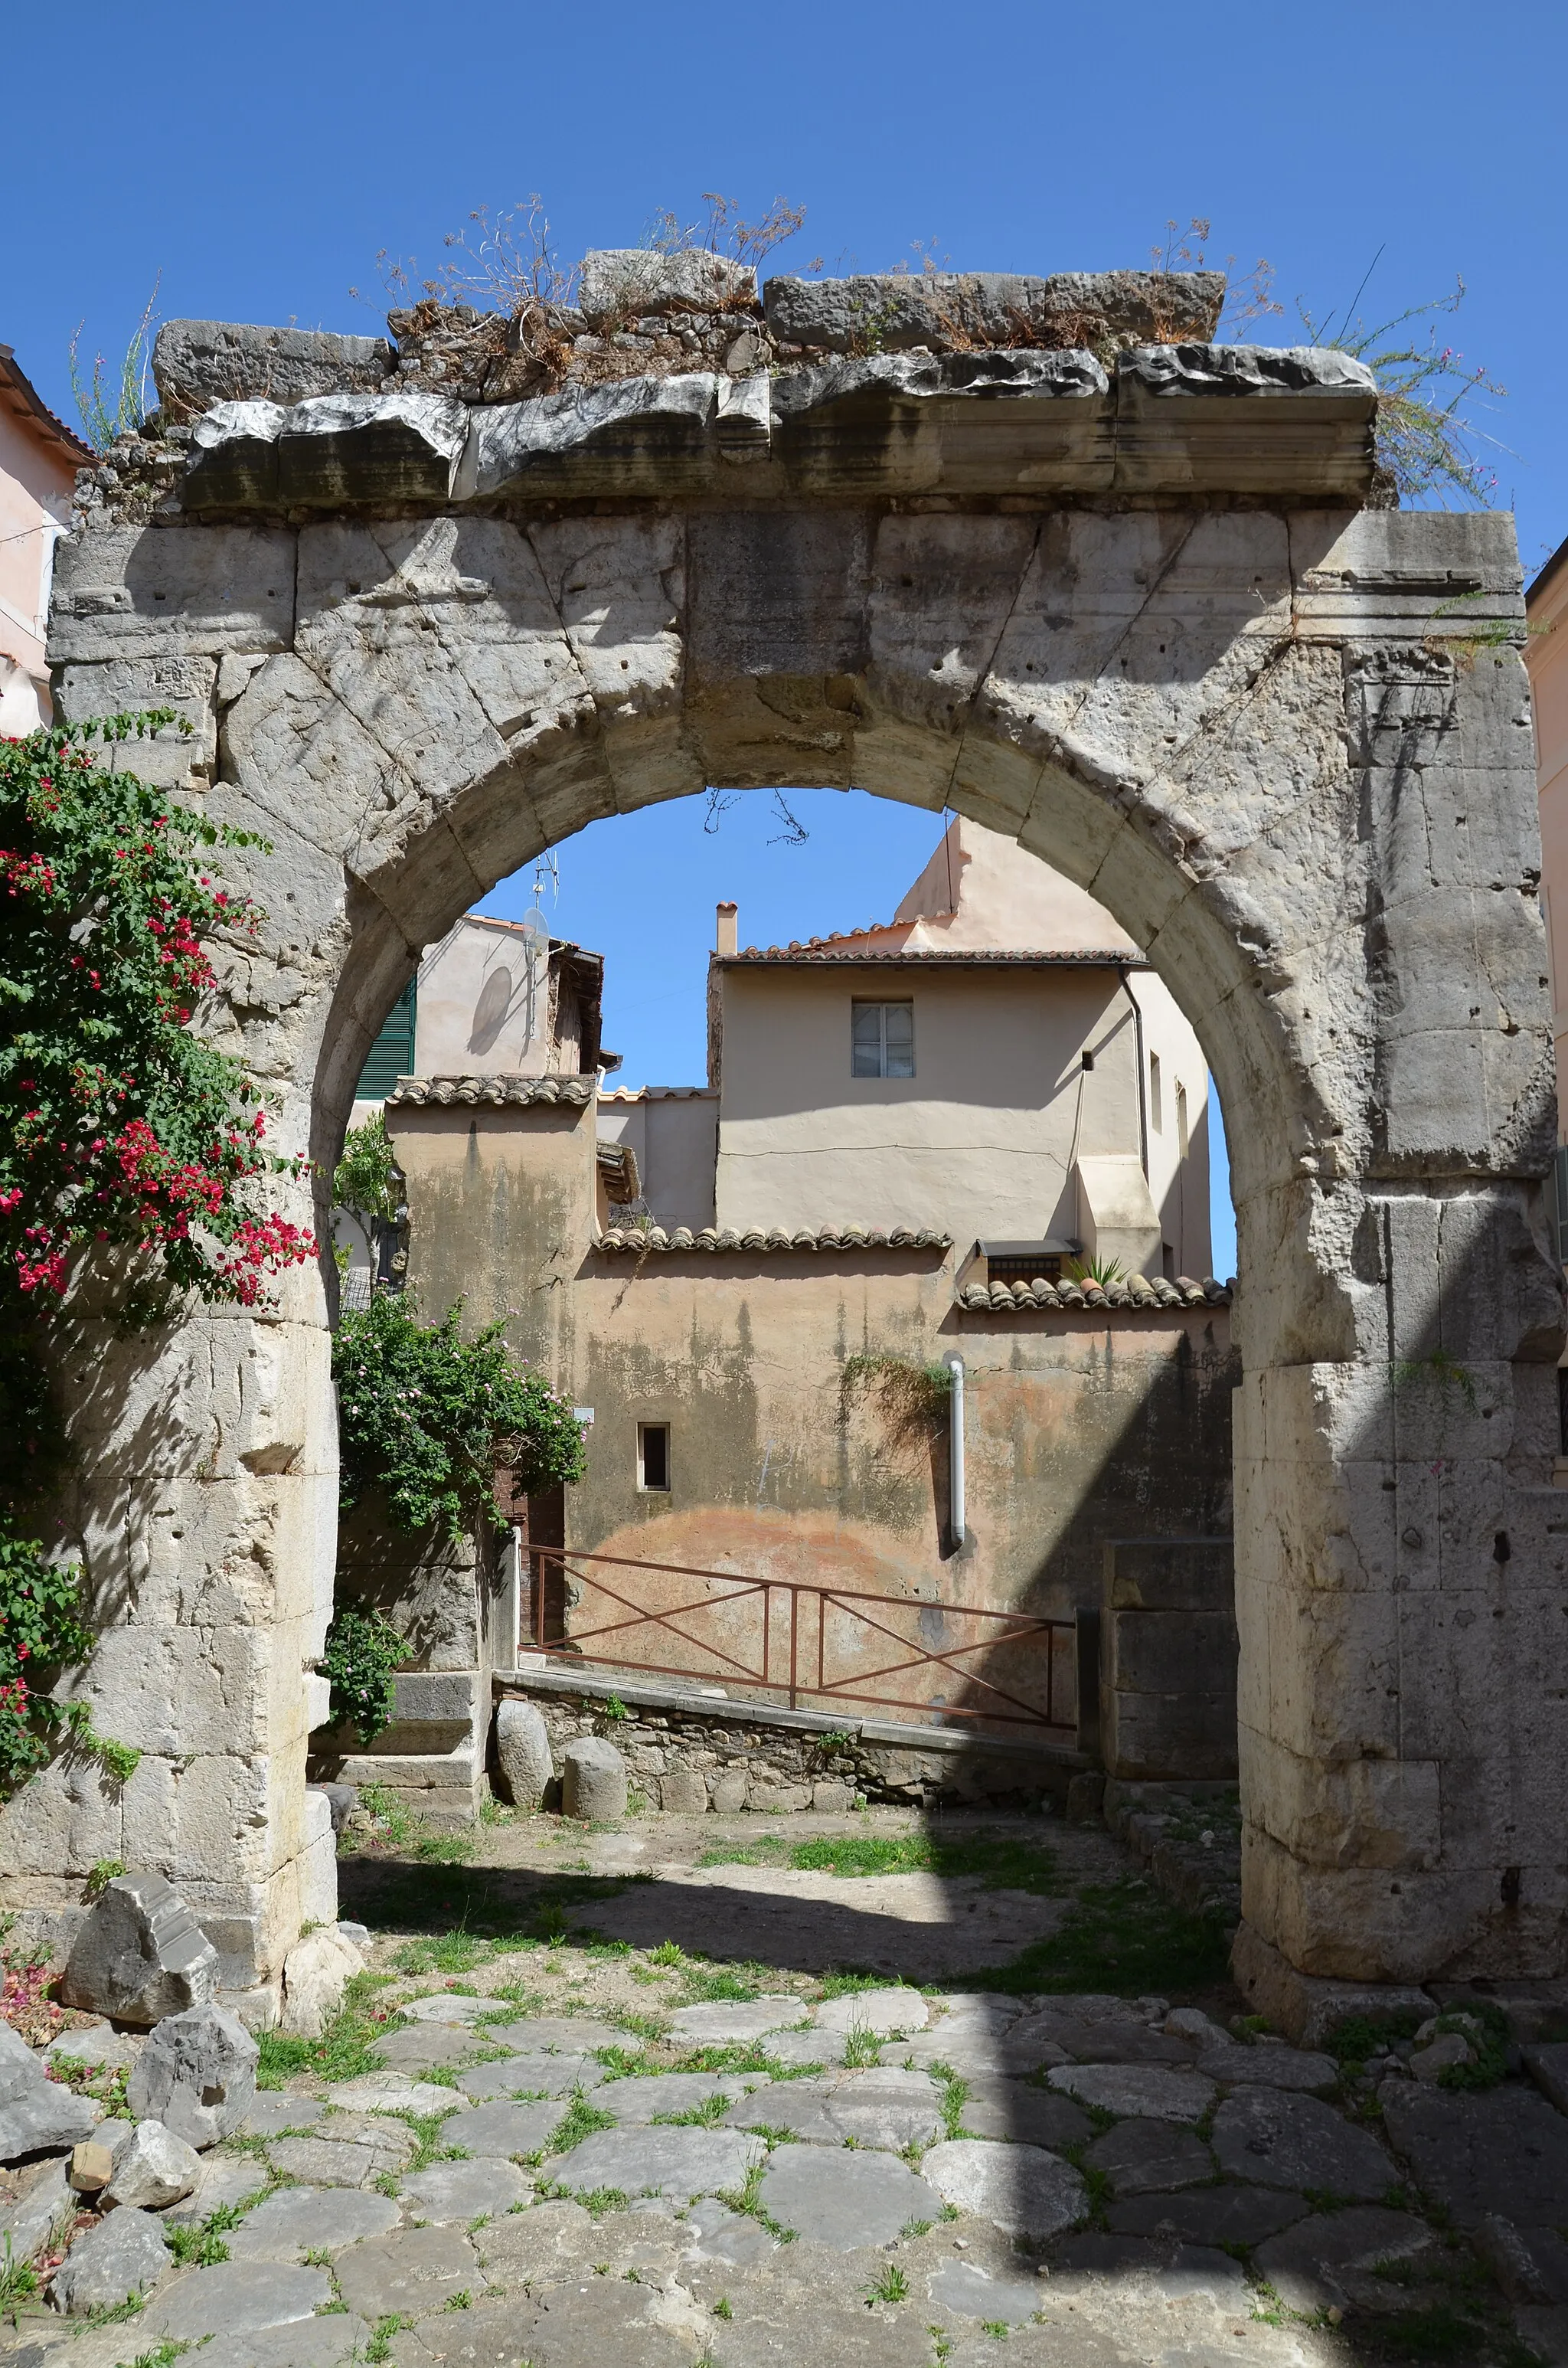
[[881, 1040], [653, 1455], [1181, 1119], [1156, 1101]]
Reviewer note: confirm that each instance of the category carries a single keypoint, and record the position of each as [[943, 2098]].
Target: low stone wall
[[1166, 1825], [692, 1752]]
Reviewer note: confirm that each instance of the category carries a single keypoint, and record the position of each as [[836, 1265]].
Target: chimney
[[727, 940]]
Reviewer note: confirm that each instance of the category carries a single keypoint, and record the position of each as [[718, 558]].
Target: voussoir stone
[[119, 2257], [1142, 2157], [522, 1746], [409, 2272], [309, 2220], [1273, 2139], [679, 2163], [737, 2019], [197, 2075], [1144, 2091], [235, 2298], [593, 1779], [842, 2198], [139, 1955], [1021, 2190], [461, 2191], [152, 2167]]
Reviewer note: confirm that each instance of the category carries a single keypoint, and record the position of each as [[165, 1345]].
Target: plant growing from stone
[[363, 1654], [121, 1126], [426, 1417]]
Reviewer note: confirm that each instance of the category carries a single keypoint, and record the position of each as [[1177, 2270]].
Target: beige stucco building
[[38, 461]]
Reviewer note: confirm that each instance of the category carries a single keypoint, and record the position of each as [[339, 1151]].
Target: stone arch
[[1240, 726]]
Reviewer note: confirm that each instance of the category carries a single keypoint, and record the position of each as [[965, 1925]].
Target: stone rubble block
[[593, 1783], [953, 310], [141, 1956], [316, 1972], [198, 363], [119, 2257], [522, 1746], [151, 2167], [31, 2218], [196, 2074], [36, 2114], [620, 282]]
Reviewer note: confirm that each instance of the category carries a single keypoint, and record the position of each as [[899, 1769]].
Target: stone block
[[522, 1749], [151, 2167], [92, 2168], [593, 1783], [167, 590], [684, 1792], [198, 363], [619, 282], [109, 2263], [177, 755], [957, 309], [141, 1956], [772, 1799], [196, 2074], [727, 1788], [316, 1972], [831, 1797]]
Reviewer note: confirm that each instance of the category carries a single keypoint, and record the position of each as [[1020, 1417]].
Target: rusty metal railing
[[805, 1640]]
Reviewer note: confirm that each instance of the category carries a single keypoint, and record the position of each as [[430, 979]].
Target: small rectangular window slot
[[653, 1455]]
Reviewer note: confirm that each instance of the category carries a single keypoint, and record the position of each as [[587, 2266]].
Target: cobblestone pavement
[[523, 2144]]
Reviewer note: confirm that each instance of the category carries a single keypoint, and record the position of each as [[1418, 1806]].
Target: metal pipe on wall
[[956, 1510]]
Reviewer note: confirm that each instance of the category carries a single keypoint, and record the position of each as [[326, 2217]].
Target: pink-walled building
[[39, 459]]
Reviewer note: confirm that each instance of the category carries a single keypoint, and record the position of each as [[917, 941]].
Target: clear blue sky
[[257, 162]]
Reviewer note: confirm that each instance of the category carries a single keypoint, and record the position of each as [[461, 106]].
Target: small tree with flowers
[[119, 1125]]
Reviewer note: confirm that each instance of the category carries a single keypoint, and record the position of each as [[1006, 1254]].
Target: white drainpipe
[[954, 1363]]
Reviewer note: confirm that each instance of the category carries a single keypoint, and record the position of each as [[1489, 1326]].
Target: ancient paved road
[[572, 2154]]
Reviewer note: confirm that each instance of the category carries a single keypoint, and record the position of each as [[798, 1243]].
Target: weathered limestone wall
[[1128, 610]]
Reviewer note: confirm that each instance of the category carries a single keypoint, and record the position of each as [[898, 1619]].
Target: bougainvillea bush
[[119, 1125], [427, 1417]]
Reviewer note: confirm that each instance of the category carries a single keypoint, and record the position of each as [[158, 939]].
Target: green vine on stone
[[428, 1417], [363, 1654]]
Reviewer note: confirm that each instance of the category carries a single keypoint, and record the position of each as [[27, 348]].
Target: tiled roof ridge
[[659, 1093], [1138, 1290], [413, 1093], [12, 375], [641, 1239], [823, 950]]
